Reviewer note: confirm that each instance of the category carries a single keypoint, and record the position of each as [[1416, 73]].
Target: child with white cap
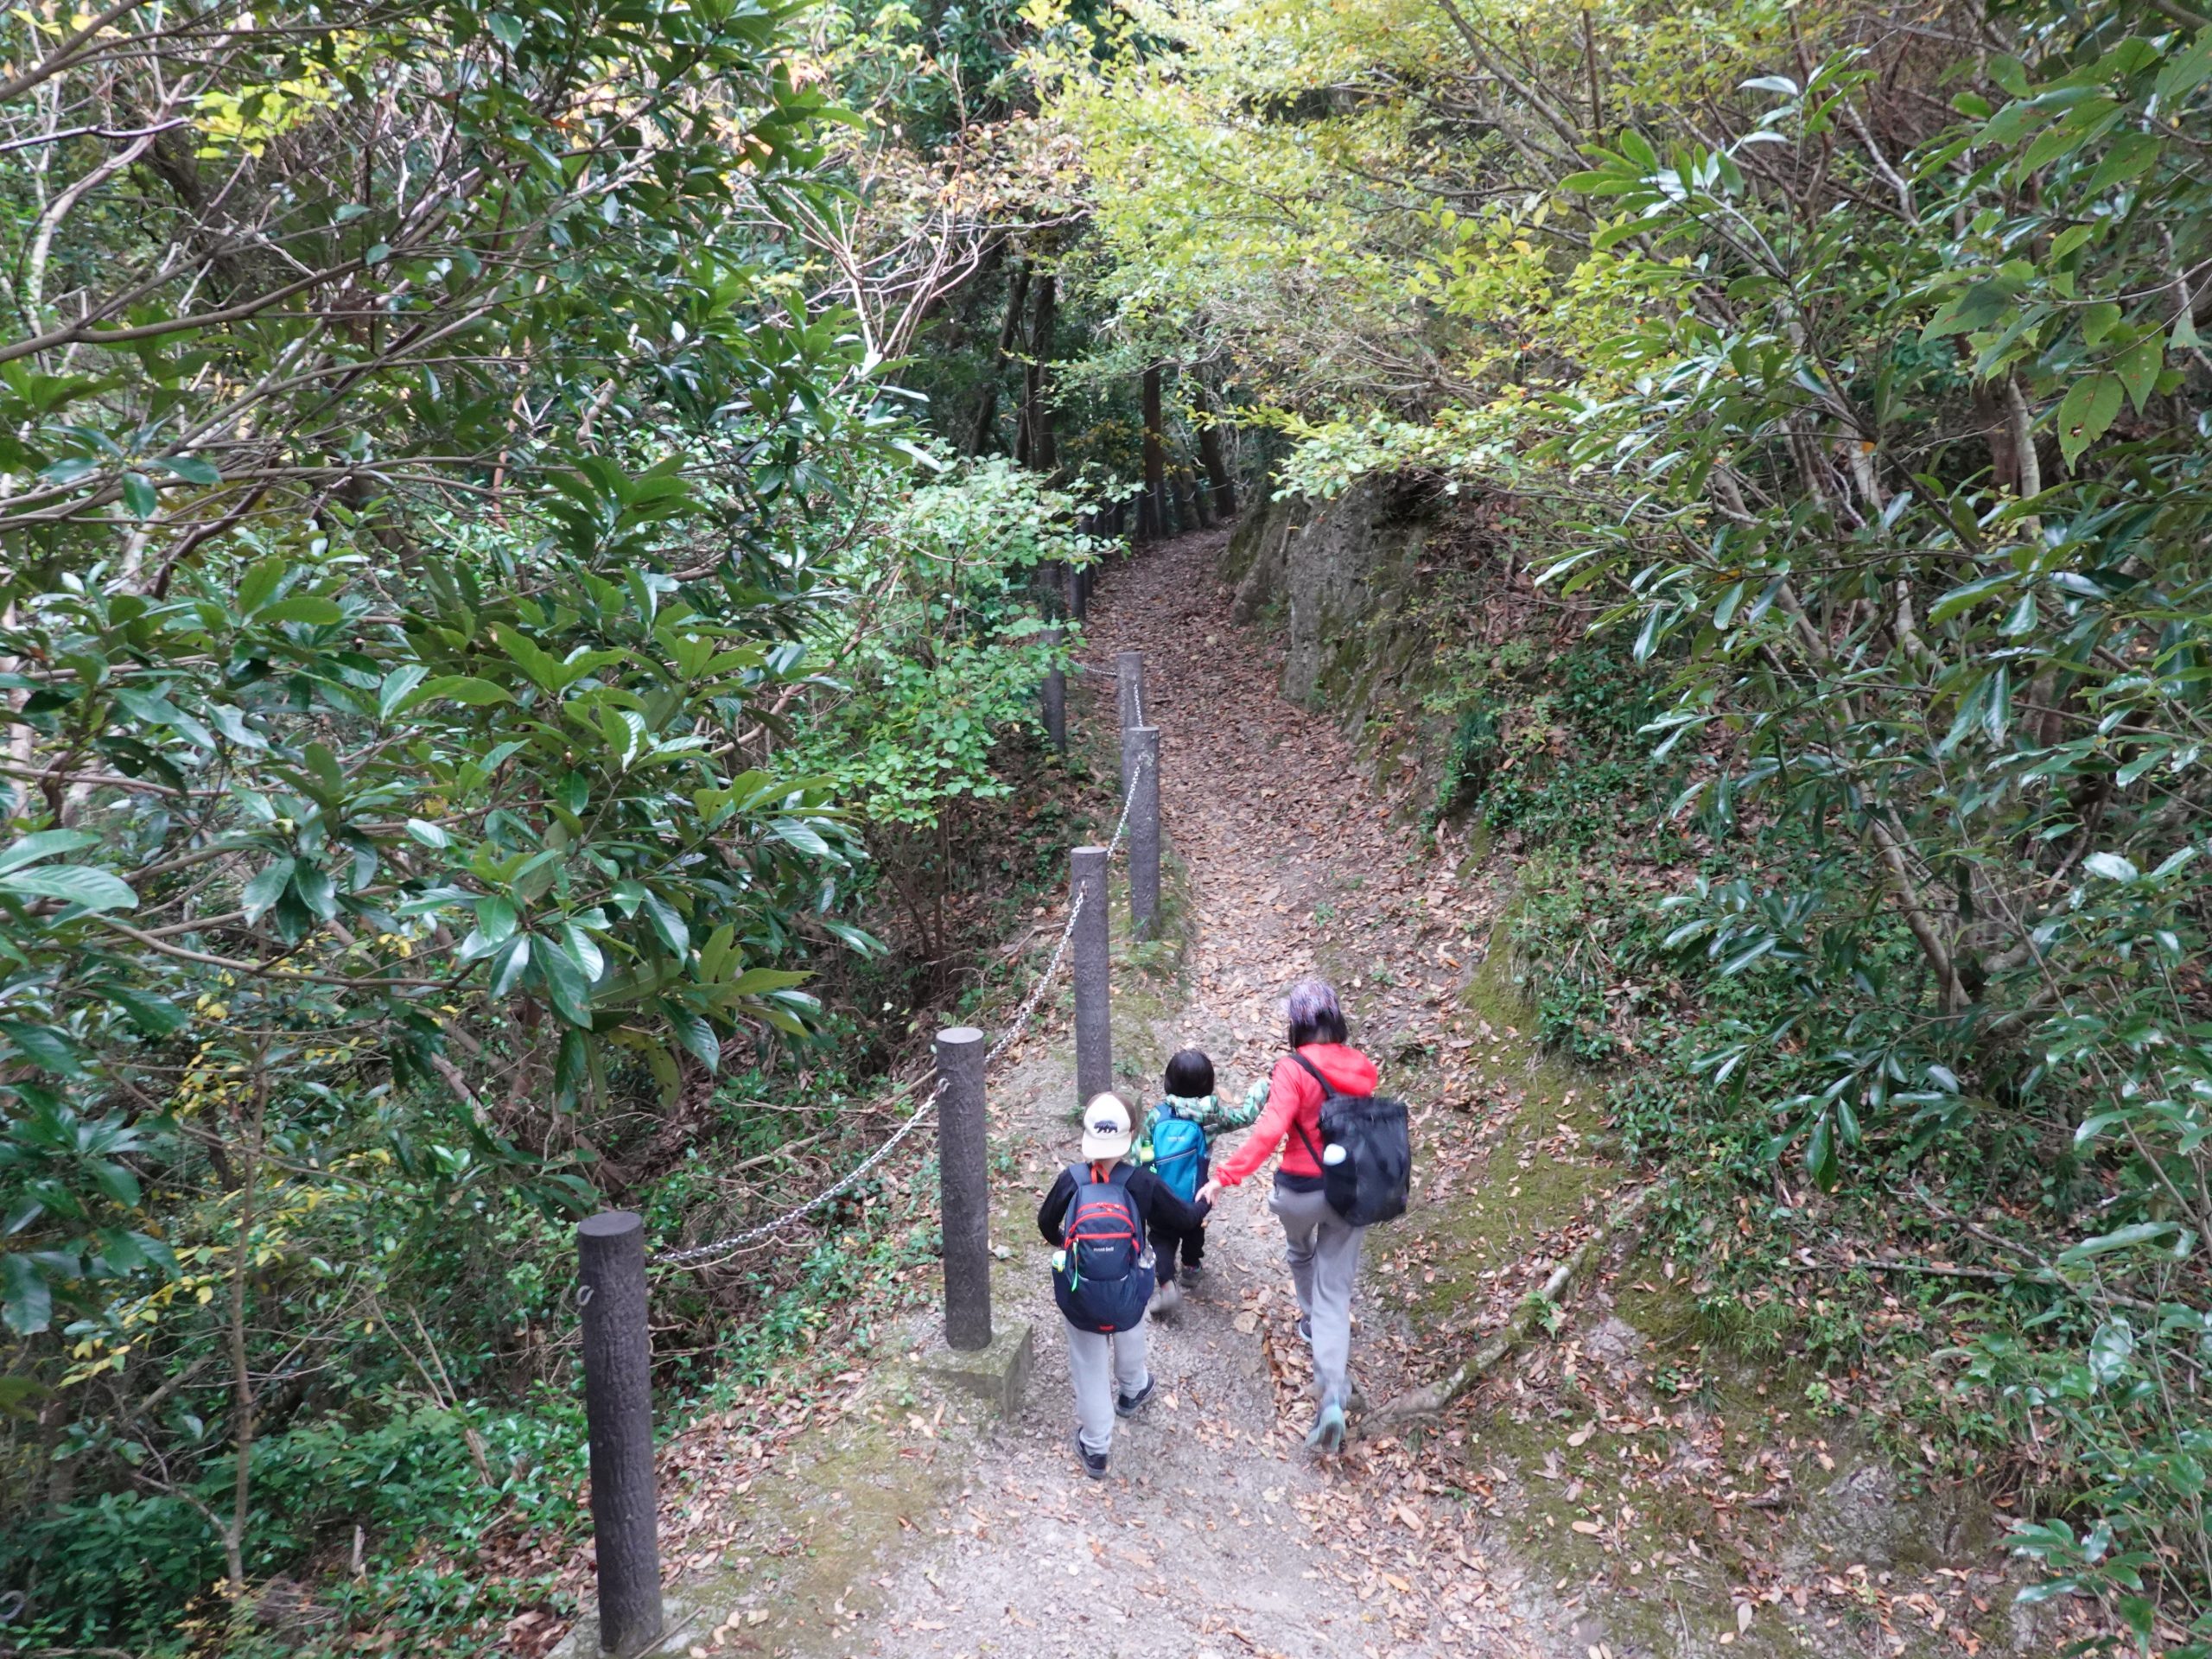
[[1096, 1216]]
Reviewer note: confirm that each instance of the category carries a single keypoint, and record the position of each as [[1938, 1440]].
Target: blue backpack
[[1179, 1151], [1105, 1274]]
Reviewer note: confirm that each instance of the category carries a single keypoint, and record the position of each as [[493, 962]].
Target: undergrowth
[[1885, 1282]]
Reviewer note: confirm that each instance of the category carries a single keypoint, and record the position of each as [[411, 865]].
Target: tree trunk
[[986, 413], [1043, 450], [1190, 506], [1202, 498], [241, 1372], [1211, 455], [1152, 506]]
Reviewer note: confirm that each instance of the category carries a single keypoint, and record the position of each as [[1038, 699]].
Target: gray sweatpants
[[1323, 1250], [1102, 1365]]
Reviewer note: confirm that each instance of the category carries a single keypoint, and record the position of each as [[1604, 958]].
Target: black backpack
[[1107, 1274], [1370, 1181]]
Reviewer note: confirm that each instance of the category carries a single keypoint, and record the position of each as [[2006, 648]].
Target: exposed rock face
[[1342, 575], [1870, 1515]]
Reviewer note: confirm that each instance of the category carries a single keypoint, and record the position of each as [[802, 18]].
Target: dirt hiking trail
[[1216, 1533]]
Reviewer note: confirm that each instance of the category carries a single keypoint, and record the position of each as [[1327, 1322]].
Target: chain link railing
[[702, 1256]]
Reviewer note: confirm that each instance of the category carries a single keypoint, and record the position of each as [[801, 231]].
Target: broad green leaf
[[155, 1015], [2121, 1238], [2186, 70], [2110, 1351], [1819, 1156], [397, 684], [1980, 306], [1961, 599], [496, 918], [567, 986], [584, 951], [508, 963], [260, 585], [465, 689], [78, 884], [25, 1301], [666, 923], [2098, 321], [311, 608], [753, 981], [2139, 368], [267, 886], [696, 1035], [43, 843], [313, 886], [2087, 409], [188, 469], [45, 1045]]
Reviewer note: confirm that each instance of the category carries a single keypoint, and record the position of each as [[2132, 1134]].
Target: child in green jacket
[[1177, 1137]]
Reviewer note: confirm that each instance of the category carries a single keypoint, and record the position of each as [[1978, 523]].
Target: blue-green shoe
[[1327, 1434]]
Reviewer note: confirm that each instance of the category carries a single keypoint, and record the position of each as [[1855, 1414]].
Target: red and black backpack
[[1105, 1279]]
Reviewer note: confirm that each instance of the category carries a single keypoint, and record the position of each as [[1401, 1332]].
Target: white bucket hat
[[1105, 1128]]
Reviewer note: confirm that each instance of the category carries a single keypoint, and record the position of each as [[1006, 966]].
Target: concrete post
[[1140, 763], [1056, 696], [619, 1419], [964, 1193], [1128, 700], [1078, 591], [1094, 1019]]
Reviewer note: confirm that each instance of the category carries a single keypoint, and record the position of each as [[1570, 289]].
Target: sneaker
[[1305, 1327], [1167, 1298], [1127, 1405], [1327, 1434], [1094, 1463], [1192, 1274]]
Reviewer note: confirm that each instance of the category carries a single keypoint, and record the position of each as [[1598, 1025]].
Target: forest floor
[[1617, 1492]]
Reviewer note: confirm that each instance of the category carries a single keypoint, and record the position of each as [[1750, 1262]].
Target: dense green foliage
[[1844, 366], [478, 622], [526, 536]]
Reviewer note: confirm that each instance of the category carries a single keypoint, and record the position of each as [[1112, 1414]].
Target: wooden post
[[1094, 1018], [1128, 702], [619, 1423], [1056, 696], [964, 1188]]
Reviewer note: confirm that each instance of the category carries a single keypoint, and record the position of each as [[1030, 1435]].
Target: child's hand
[[1207, 1194]]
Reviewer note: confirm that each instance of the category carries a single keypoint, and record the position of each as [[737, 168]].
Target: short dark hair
[[1313, 1014], [1190, 1075]]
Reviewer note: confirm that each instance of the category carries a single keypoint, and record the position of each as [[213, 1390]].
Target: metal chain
[[737, 1242], [1128, 800], [700, 1255]]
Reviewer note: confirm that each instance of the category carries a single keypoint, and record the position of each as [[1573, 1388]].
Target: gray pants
[[1323, 1250], [1102, 1365]]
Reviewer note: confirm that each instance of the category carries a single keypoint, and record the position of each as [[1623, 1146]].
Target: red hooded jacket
[[1294, 1104]]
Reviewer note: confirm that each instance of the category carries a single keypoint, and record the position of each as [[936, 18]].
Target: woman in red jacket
[[1323, 1247]]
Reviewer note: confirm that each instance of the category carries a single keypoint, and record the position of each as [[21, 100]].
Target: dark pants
[[1191, 1246]]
